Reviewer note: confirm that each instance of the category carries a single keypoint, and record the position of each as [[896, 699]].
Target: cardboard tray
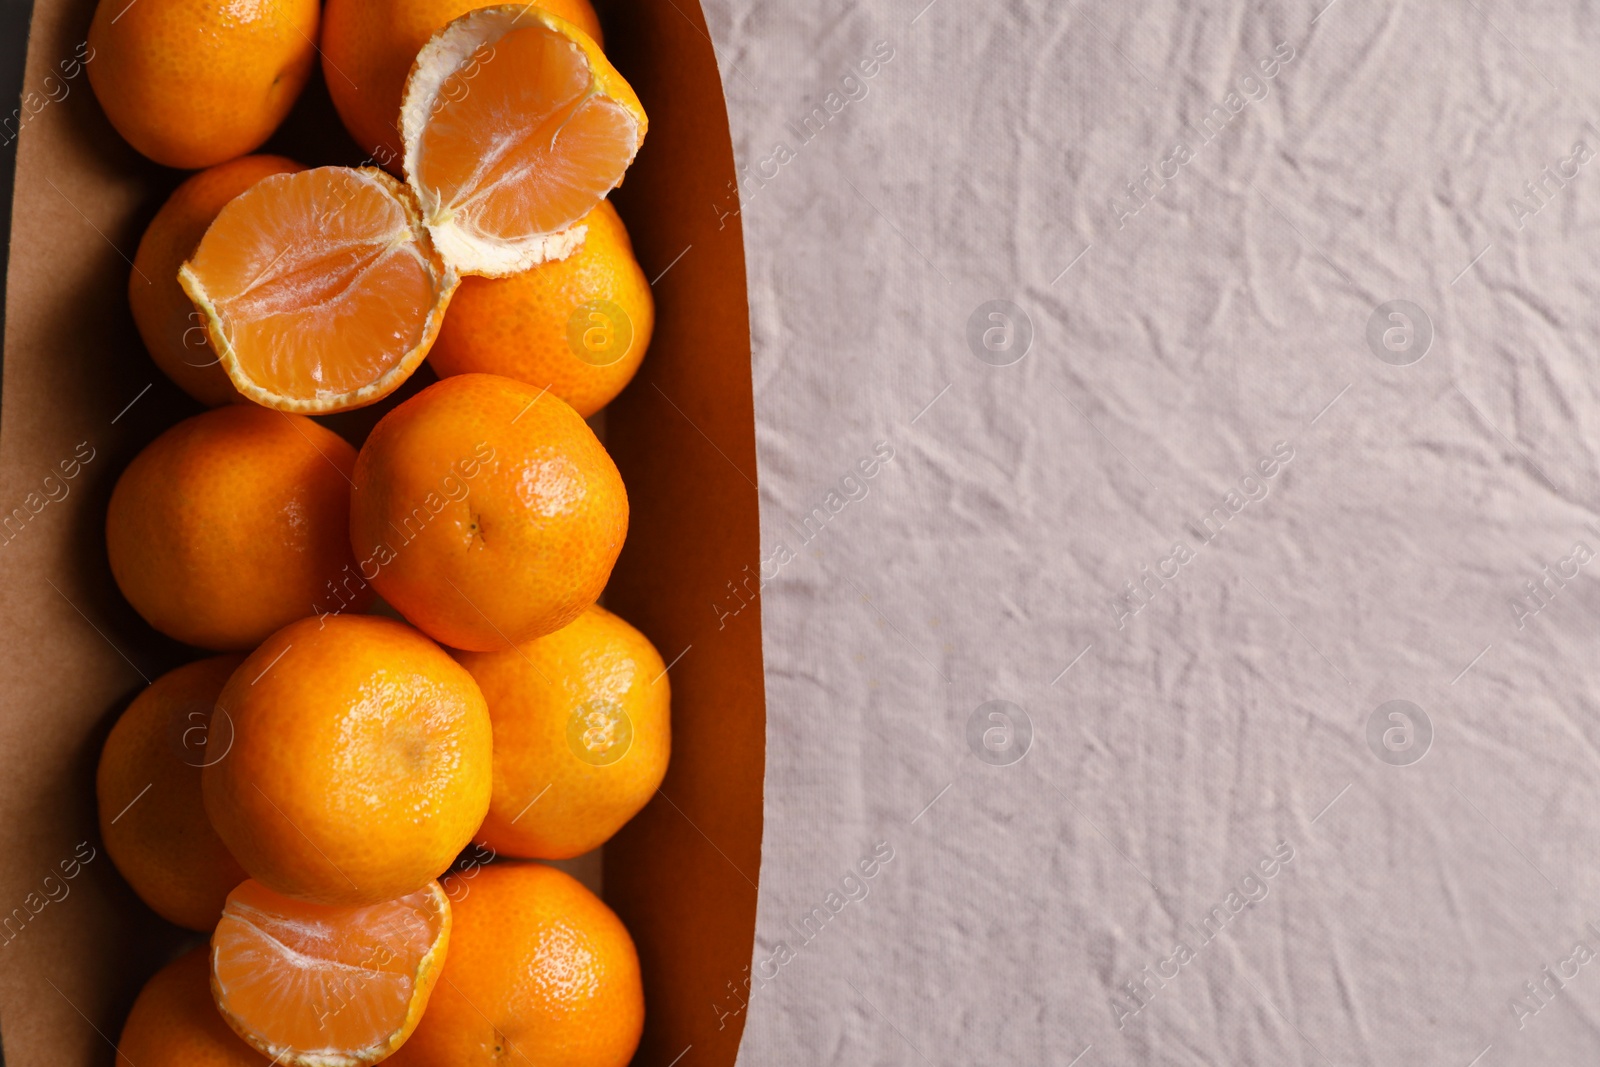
[[80, 398]]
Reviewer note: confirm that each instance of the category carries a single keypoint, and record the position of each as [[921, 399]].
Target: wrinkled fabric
[[1222, 510]]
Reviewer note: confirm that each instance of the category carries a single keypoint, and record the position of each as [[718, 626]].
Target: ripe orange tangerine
[[321, 290], [320, 986], [579, 325], [540, 972], [360, 763], [486, 512], [192, 83], [232, 524], [582, 735], [515, 125], [148, 787]]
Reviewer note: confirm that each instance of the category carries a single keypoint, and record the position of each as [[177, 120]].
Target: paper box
[[80, 398]]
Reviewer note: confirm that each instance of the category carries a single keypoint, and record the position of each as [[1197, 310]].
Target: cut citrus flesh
[[321, 290], [161, 310], [515, 126], [369, 47], [322, 986], [175, 1024]]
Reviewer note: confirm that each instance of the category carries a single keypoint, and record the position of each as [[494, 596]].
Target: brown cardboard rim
[[75, 947]]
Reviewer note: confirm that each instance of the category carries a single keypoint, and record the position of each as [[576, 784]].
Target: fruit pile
[[416, 691]]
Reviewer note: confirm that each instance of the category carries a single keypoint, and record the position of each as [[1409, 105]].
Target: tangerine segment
[[321, 290], [369, 46], [515, 126], [322, 985]]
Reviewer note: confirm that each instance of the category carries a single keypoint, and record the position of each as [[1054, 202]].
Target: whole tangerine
[[578, 325], [232, 524], [581, 735], [191, 83], [486, 512], [148, 792], [174, 1022], [539, 971], [360, 764]]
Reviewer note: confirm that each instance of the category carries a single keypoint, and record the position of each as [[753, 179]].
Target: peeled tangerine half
[[320, 290], [515, 126], [314, 985]]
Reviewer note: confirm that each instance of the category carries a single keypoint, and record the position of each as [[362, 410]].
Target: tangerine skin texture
[[369, 46], [540, 972], [231, 525], [192, 83], [172, 330], [517, 326], [159, 838], [486, 512], [360, 765], [174, 1022], [595, 665]]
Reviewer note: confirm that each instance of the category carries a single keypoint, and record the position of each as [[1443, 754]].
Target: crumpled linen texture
[[1197, 507]]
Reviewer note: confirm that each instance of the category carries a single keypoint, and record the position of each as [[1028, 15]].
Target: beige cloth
[[1197, 498]]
